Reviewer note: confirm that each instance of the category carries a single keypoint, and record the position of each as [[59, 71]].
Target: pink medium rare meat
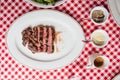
[[39, 39], [50, 40]]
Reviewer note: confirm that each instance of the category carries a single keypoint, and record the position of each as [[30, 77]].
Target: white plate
[[72, 35], [46, 6], [115, 9], [117, 77], [68, 34]]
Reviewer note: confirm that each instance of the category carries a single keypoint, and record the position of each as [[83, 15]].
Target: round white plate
[[45, 6], [72, 35], [117, 77], [115, 9], [68, 34]]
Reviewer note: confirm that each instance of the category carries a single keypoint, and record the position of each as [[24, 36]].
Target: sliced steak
[[39, 39]]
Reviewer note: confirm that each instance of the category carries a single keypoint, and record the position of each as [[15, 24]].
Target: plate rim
[[116, 12], [115, 77]]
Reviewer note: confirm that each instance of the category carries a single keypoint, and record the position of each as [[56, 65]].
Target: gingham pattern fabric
[[10, 69]]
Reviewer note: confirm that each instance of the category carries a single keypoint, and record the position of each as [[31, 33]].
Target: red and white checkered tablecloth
[[10, 69]]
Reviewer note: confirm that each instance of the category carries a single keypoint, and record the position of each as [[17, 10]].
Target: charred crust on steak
[[40, 38]]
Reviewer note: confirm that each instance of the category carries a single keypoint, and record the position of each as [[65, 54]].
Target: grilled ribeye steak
[[40, 38]]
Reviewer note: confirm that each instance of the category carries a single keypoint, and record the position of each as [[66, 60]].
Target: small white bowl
[[106, 61], [92, 58], [45, 6], [117, 77], [104, 11], [106, 36]]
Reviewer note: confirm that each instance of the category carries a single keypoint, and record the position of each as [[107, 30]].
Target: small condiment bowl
[[106, 38], [106, 62], [105, 15], [92, 57]]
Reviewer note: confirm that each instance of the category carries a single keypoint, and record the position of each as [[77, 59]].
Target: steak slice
[[45, 33], [41, 37], [25, 33], [51, 37]]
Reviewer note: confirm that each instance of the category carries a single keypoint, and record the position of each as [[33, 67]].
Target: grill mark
[[47, 38], [35, 33], [41, 38], [52, 48], [32, 40], [38, 34], [33, 49], [53, 37], [53, 33], [44, 39], [25, 33]]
